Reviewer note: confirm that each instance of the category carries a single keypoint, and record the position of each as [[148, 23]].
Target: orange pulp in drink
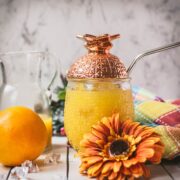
[[84, 108]]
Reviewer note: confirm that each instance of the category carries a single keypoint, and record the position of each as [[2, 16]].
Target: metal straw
[[152, 51]]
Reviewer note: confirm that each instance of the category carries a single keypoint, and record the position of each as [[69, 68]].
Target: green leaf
[[62, 94]]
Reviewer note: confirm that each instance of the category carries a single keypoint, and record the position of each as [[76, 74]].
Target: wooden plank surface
[[56, 171], [172, 168], [158, 173], [169, 170]]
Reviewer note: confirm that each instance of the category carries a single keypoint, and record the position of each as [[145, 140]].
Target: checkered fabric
[[163, 115]]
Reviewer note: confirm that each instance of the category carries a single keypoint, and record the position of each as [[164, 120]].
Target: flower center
[[119, 147]]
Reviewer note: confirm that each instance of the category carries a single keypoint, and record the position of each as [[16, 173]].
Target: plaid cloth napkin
[[164, 116]]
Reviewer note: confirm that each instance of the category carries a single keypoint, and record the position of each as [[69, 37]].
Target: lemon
[[23, 135]]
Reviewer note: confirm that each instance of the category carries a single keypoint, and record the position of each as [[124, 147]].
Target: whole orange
[[23, 135]]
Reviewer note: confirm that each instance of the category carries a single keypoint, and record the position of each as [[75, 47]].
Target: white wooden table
[[164, 171]]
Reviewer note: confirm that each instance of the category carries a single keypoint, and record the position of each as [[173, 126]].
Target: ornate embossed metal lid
[[98, 63]]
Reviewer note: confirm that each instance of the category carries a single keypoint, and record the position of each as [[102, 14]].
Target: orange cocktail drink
[[87, 103], [48, 123]]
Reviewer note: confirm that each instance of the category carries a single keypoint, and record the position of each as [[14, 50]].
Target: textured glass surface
[[87, 102]]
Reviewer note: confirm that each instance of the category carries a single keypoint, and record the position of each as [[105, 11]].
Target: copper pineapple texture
[[98, 63]]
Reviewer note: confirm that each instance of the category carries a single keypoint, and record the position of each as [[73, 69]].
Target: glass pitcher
[[25, 80]]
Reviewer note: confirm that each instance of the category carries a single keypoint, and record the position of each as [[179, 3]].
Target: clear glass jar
[[88, 101]]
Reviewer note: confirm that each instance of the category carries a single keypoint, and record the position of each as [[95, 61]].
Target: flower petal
[[107, 173], [121, 177], [107, 167], [133, 128], [146, 132], [155, 137], [117, 123], [92, 160], [90, 137], [131, 178], [130, 162], [149, 142], [156, 159], [136, 170], [101, 128], [117, 166], [98, 134], [112, 176], [94, 169], [100, 143], [126, 126], [85, 143], [103, 177], [138, 130], [137, 139], [83, 168], [141, 159], [106, 122], [126, 171], [112, 132], [145, 152], [91, 152], [146, 171]]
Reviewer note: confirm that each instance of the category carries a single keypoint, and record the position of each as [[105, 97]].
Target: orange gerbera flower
[[117, 149]]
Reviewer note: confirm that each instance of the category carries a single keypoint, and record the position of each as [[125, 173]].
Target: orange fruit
[[23, 136]]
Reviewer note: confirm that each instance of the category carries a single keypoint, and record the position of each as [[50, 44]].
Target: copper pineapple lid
[[98, 63]]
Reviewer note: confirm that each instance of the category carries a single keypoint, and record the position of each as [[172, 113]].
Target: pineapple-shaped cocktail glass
[[98, 85]]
